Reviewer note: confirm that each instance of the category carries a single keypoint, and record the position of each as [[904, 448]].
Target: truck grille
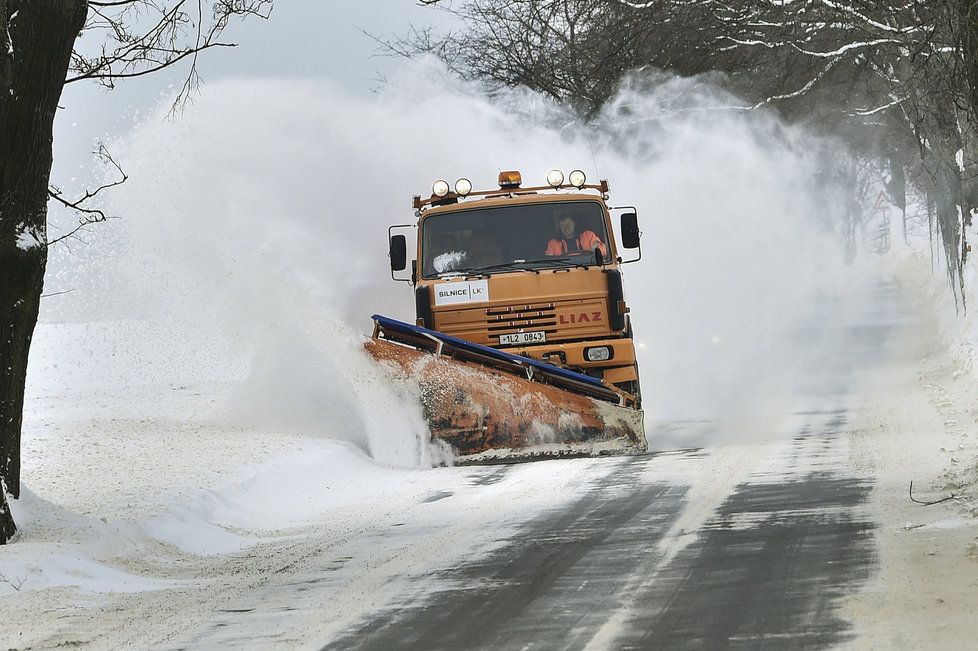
[[574, 319], [540, 316]]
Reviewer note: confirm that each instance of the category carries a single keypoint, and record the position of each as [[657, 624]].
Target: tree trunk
[[33, 65], [20, 291]]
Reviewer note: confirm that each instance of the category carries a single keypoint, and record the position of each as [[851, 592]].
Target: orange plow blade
[[487, 412]]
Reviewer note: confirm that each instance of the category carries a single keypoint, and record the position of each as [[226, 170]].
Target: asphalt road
[[766, 567]]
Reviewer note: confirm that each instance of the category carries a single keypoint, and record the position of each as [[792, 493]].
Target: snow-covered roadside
[[132, 461], [137, 480], [949, 373], [919, 422], [104, 493]]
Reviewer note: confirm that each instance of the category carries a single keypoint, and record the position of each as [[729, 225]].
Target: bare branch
[[16, 585], [88, 216], [142, 37]]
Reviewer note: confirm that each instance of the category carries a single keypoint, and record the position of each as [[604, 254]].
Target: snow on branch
[[804, 89], [879, 109], [848, 47], [867, 21]]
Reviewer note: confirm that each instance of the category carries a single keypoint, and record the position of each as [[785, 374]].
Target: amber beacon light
[[510, 179]]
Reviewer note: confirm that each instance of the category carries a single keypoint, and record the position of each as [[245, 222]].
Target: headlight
[[598, 353], [463, 187], [440, 188], [555, 178], [577, 178]]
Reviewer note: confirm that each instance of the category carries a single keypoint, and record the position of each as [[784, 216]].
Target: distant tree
[[574, 51], [40, 52], [893, 78]]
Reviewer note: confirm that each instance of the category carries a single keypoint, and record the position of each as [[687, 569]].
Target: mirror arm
[[635, 260]]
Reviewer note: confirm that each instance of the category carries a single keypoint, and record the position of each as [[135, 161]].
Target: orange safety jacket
[[586, 241]]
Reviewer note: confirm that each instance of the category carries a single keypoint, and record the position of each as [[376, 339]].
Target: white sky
[[303, 38]]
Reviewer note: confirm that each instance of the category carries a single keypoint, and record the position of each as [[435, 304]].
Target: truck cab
[[532, 271]]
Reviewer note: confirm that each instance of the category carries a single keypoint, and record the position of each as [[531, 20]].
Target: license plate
[[523, 338]]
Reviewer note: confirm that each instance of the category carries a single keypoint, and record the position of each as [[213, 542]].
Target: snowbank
[[947, 370], [143, 442]]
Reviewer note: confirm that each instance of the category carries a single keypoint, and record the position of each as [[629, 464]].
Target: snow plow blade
[[492, 406]]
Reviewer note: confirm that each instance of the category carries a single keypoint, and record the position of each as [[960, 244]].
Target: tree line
[[897, 82]]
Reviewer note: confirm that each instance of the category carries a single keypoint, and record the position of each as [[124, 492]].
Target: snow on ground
[[949, 373], [918, 421], [206, 512], [121, 464], [136, 482]]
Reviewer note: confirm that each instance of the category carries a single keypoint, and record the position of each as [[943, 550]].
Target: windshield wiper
[[491, 267], [518, 265], [554, 260]]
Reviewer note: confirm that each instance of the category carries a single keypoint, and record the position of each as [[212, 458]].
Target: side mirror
[[398, 252], [630, 235]]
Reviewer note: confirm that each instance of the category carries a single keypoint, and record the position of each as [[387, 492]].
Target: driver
[[567, 240]]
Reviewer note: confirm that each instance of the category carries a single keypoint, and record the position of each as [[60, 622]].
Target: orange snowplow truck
[[533, 273]]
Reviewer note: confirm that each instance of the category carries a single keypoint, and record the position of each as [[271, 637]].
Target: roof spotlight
[[577, 179], [463, 186], [555, 178], [440, 188]]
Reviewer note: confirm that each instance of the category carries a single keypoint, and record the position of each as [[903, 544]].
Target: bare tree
[[39, 54], [574, 51], [885, 74]]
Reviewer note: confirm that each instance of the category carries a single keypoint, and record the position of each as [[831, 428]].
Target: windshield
[[504, 238]]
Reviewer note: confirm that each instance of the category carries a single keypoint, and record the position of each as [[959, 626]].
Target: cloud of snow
[[741, 292], [255, 226]]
